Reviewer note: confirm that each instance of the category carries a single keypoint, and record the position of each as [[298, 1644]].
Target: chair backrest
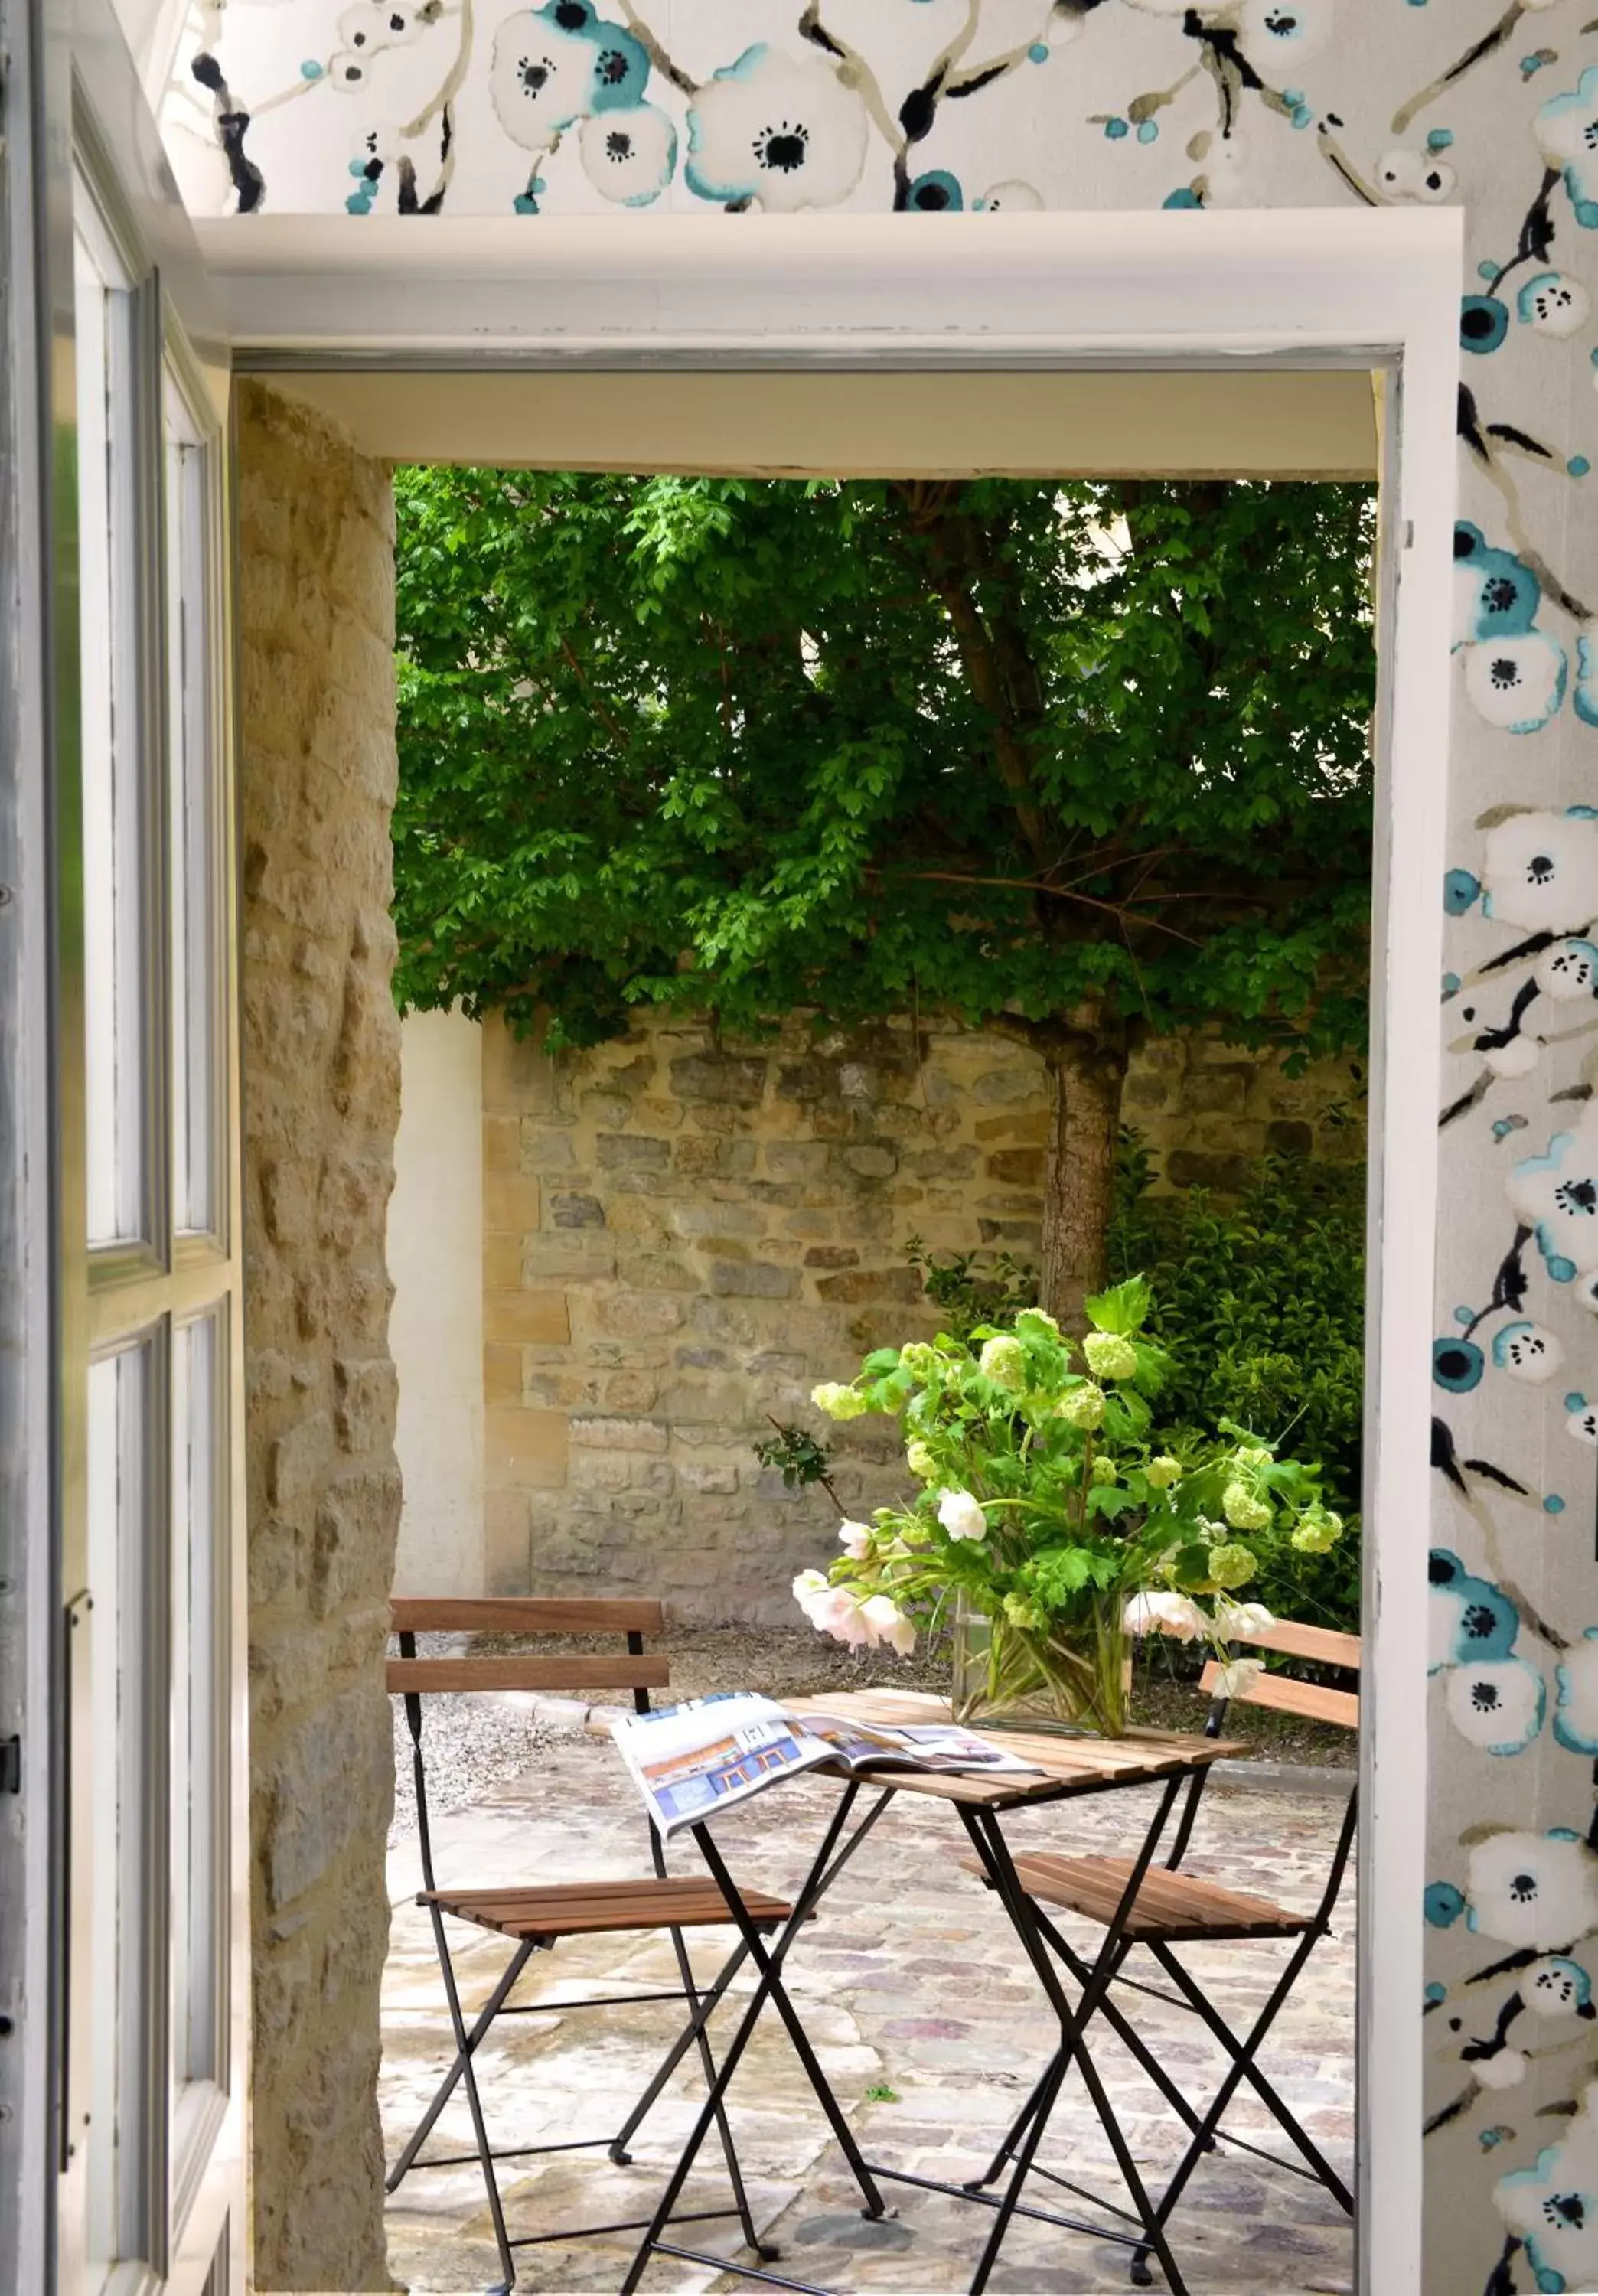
[[1315, 1701], [1322, 1646], [627, 1667]]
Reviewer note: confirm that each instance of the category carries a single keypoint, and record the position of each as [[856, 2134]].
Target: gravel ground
[[478, 1745]]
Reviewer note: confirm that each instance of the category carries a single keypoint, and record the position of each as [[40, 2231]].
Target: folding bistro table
[[1067, 1768]]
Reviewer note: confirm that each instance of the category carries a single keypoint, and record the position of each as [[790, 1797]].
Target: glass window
[[197, 1706], [115, 860], [126, 1665], [195, 752]]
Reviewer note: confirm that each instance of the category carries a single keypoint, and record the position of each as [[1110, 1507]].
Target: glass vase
[[1071, 1676]]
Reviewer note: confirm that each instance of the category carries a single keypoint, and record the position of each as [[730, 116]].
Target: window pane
[[195, 764], [113, 840], [125, 1666], [199, 1702]]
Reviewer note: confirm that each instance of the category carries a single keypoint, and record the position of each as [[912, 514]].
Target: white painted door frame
[[1177, 289]]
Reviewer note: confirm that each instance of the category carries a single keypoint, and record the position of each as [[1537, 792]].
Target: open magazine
[[691, 1762]]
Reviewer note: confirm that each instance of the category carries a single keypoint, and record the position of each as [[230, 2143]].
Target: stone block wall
[[682, 1235], [321, 1051]]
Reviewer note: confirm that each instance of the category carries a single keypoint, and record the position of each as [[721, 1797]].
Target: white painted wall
[[436, 1327]]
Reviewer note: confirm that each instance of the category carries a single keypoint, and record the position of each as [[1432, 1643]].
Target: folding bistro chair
[[536, 1917], [1174, 1908]]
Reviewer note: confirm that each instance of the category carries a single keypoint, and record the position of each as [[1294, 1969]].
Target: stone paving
[[930, 2031]]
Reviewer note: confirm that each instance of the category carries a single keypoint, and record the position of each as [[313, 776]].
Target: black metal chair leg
[[479, 2126], [447, 2085], [753, 2240], [697, 2022]]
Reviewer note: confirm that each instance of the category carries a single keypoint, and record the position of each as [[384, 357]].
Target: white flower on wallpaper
[[1497, 1705], [630, 156], [1540, 871], [1552, 2207], [1532, 1889], [782, 131]]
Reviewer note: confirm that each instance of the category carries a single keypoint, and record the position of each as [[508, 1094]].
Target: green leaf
[[1122, 1310]]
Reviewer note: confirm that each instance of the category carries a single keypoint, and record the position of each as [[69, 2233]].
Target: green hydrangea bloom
[[837, 1402], [1232, 1565], [920, 1358], [1244, 1509], [1318, 1530], [1110, 1355], [1082, 1406], [1003, 1360], [1163, 1471], [1105, 1470], [1024, 1614], [919, 1459]]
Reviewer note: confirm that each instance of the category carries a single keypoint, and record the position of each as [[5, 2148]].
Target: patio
[[908, 1985]]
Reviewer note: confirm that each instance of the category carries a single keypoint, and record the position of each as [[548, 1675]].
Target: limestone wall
[[321, 1050], [683, 1235]]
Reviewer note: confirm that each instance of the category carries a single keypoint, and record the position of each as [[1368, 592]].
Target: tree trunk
[[1078, 1176]]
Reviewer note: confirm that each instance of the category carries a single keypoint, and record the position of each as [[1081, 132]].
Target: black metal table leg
[[824, 1871]]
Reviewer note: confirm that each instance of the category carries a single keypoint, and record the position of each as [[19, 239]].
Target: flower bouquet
[[1052, 1521]]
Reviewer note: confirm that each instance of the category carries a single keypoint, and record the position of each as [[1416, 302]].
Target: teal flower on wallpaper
[[1472, 1620]]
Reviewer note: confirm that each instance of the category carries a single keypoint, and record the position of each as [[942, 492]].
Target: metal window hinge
[[10, 1765]]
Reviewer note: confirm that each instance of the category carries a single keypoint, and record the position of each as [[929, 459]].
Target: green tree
[[1070, 761]]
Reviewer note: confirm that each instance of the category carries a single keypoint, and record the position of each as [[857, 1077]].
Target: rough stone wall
[[321, 1051], [682, 1235]]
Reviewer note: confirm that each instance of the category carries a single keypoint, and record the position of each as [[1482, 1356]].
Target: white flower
[[808, 1587], [1586, 1291], [1164, 1614], [1555, 1987], [1551, 2206], [1568, 970], [855, 1539], [1503, 2069], [962, 1515], [1582, 1421], [1554, 303], [1237, 1678], [785, 131], [1237, 1621], [1419, 175], [841, 1615], [629, 155], [1517, 683], [1527, 1351], [1497, 1705], [1540, 872], [1533, 1889], [887, 1623], [540, 79], [1556, 1195], [1012, 197], [1576, 1695]]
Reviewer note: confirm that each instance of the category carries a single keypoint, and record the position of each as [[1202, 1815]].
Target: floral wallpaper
[[581, 106]]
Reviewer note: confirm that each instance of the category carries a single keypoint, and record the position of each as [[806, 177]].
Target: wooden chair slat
[[1168, 1904], [602, 1671], [525, 1614], [594, 1907], [1323, 1645], [1281, 1691]]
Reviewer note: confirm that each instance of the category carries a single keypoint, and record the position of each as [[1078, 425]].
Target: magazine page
[[691, 1762], [909, 1746]]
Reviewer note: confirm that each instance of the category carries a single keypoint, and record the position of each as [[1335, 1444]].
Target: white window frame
[[1313, 288]]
